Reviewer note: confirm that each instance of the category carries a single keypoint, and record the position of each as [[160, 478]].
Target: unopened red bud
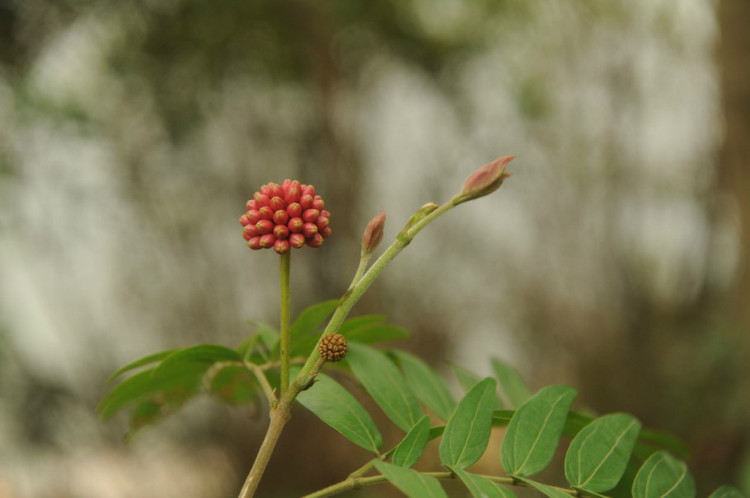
[[290, 185], [296, 225], [308, 190], [309, 229], [325, 232], [250, 204], [264, 226], [315, 241], [281, 246], [297, 240], [281, 231], [254, 243], [253, 216], [249, 232], [277, 203], [321, 222], [266, 190], [310, 215], [276, 190], [373, 232], [281, 217], [325, 213], [292, 195], [294, 210], [306, 201], [261, 199], [266, 213], [318, 203], [267, 240], [485, 180], [244, 220]]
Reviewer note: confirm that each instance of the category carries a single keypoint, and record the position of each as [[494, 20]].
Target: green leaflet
[[385, 384], [726, 492], [352, 324], [146, 360], [377, 332], [333, 404], [481, 487], [511, 383], [663, 476], [258, 347], [598, 455], [303, 331], [411, 482], [534, 431], [468, 430], [467, 380], [202, 353], [427, 384], [412, 446]]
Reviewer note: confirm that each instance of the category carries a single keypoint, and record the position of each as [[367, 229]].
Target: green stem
[[345, 485], [279, 417], [285, 342], [353, 482]]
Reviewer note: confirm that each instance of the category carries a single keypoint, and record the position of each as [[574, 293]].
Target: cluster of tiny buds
[[333, 347], [285, 216]]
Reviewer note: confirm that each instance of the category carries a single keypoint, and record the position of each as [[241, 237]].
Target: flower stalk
[[285, 339]]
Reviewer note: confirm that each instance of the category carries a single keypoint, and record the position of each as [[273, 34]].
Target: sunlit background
[[614, 260]]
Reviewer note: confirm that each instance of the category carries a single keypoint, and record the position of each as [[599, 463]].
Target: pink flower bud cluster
[[285, 216]]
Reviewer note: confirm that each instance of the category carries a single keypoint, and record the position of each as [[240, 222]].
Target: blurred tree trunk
[[734, 172], [724, 452]]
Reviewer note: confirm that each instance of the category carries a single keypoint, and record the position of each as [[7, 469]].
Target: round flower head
[[285, 216]]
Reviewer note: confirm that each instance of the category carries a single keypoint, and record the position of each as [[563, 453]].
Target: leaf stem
[[357, 482], [262, 380], [345, 485], [285, 346]]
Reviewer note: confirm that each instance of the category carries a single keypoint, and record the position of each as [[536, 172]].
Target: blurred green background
[[614, 260]]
